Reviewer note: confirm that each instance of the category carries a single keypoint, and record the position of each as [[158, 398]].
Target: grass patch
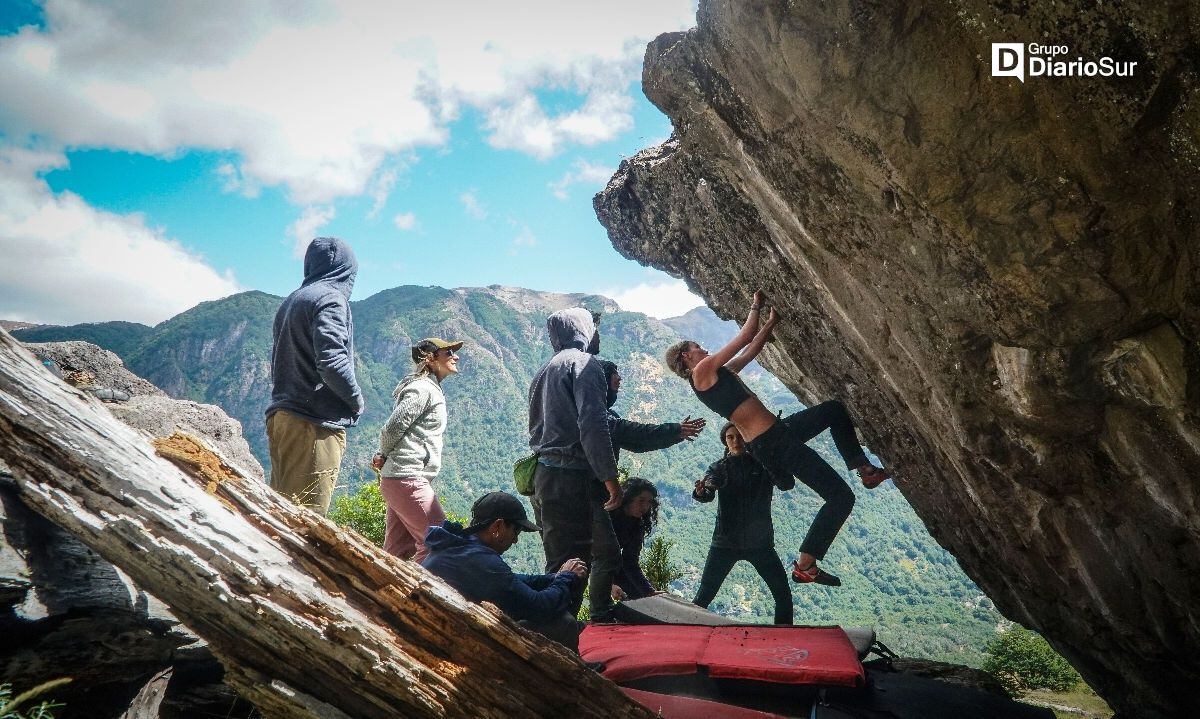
[[1080, 703]]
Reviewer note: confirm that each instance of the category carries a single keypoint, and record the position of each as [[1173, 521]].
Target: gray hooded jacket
[[568, 411], [312, 356]]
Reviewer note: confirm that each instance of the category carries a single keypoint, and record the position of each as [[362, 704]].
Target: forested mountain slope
[[896, 578]]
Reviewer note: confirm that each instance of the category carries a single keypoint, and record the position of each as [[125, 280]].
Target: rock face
[[149, 409], [998, 277]]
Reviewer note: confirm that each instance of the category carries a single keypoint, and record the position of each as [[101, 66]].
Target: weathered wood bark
[[72, 614], [145, 705], [309, 620]]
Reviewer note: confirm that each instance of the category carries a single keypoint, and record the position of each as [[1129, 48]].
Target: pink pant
[[412, 508]]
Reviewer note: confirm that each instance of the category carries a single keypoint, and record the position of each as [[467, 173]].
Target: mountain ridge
[[898, 579]]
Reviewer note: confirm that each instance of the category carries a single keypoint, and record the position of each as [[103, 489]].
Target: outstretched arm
[[737, 364], [705, 371]]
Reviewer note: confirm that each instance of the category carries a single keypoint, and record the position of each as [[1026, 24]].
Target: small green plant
[[10, 705], [362, 511], [1023, 661], [657, 564]]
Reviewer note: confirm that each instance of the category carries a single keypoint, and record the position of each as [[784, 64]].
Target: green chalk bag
[[523, 470]]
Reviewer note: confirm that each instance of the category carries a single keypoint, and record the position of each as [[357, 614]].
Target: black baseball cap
[[499, 505]]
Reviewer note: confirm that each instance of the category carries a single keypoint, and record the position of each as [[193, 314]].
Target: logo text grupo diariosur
[[1020, 60]]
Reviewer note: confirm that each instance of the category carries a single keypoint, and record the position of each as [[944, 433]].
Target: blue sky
[[154, 156]]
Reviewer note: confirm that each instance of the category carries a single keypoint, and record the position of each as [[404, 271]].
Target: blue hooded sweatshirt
[[568, 407], [480, 575], [312, 357]]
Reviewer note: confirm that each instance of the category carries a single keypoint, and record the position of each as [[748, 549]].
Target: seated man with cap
[[468, 559]]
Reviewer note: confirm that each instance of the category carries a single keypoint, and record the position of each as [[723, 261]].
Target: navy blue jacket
[[480, 575], [312, 356]]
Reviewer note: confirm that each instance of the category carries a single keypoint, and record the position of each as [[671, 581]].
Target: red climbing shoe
[[873, 476], [813, 575]]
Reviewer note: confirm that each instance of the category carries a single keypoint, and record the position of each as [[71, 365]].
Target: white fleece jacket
[[411, 439]]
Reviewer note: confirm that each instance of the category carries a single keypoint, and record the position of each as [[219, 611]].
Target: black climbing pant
[[764, 560], [782, 450]]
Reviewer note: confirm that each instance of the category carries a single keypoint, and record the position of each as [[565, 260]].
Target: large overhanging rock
[[309, 620], [999, 278]]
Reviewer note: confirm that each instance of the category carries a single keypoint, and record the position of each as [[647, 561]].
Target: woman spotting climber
[[779, 444]]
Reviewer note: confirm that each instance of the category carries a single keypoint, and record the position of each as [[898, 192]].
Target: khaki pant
[[305, 459]]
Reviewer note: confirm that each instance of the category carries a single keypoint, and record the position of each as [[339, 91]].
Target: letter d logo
[[1008, 60]]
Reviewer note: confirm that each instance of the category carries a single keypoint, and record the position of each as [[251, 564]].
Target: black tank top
[[726, 394]]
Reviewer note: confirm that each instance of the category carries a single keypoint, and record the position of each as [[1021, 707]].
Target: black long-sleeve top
[[744, 490], [630, 535]]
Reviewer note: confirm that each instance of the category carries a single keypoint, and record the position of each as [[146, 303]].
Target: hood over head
[[571, 327], [330, 259]]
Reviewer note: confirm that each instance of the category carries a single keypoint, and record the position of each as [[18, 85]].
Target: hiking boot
[[813, 575], [873, 476]]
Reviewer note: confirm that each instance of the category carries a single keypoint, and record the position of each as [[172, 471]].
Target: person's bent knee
[[835, 408], [842, 499]]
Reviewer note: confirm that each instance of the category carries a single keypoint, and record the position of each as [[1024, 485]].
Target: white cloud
[[472, 206], [657, 299], [583, 172], [524, 238], [232, 180], [524, 125], [405, 221], [70, 263], [308, 225], [380, 189], [319, 95]]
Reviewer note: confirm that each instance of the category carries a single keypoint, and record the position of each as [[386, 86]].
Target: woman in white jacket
[[410, 449]]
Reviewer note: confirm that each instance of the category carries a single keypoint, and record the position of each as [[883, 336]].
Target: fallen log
[[309, 620]]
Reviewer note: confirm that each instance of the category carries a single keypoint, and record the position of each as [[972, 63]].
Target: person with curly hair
[[779, 444], [633, 521]]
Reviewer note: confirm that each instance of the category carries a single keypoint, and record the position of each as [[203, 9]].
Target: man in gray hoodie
[[314, 395], [576, 478]]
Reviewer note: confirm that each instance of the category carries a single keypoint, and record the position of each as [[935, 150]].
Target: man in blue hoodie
[[468, 559], [314, 395], [576, 477]]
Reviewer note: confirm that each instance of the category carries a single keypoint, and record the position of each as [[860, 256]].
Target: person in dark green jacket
[[638, 436]]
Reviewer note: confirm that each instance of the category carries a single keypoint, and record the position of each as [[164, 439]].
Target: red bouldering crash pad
[[816, 656], [672, 707]]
